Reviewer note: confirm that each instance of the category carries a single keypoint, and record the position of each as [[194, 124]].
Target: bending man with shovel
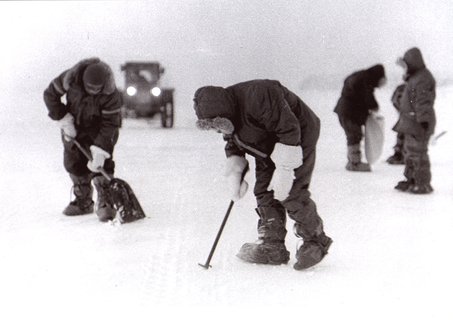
[[92, 116]]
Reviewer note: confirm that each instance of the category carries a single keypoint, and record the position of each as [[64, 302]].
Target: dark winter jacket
[[396, 99], [263, 113], [357, 96], [417, 101], [396, 96], [97, 118]]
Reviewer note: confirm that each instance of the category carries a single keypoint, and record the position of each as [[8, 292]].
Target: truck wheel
[[167, 115]]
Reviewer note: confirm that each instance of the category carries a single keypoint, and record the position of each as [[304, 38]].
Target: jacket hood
[[211, 102], [414, 60], [375, 73], [75, 75]]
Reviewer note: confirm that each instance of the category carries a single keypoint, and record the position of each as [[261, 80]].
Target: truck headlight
[[131, 91], [156, 91]]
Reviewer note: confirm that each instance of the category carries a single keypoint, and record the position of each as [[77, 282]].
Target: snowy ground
[[391, 257]]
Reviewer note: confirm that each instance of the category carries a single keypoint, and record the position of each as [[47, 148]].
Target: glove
[[235, 169], [66, 124], [286, 159], [99, 156]]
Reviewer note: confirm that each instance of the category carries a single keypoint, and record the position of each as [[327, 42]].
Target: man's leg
[[354, 136], [398, 155], [302, 209], [417, 154], [75, 165], [270, 247]]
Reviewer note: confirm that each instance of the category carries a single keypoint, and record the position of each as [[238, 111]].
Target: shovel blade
[[125, 202]]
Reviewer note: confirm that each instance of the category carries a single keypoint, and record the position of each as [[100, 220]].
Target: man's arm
[[110, 122], [52, 97]]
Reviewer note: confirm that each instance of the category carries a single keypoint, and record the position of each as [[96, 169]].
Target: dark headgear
[[96, 74], [376, 73], [414, 60], [211, 102]]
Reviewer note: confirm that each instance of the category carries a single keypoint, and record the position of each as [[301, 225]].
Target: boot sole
[[263, 260], [77, 214]]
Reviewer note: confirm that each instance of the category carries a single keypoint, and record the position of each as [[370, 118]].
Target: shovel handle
[[88, 155]]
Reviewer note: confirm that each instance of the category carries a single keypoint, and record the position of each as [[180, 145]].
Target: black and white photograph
[[209, 159]]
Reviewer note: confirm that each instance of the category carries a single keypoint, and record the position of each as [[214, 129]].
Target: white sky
[[222, 42]]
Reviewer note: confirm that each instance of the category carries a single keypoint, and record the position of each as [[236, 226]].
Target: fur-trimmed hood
[[211, 102], [75, 75]]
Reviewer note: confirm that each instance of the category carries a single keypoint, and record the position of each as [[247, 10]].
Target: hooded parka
[[97, 117], [357, 96], [417, 99], [417, 122], [263, 113]]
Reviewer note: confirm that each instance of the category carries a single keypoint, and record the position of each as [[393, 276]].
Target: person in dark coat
[[398, 155], [262, 118], [91, 115], [355, 104], [417, 122]]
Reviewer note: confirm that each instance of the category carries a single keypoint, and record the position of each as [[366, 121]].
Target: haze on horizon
[[300, 43]]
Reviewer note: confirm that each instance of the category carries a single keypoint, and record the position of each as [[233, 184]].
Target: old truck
[[143, 95]]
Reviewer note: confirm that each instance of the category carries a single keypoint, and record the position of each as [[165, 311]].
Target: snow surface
[[391, 257]]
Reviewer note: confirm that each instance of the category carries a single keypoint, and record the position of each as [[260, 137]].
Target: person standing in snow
[[398, 155], [417, 122], [91, 115], [264, 119], [354, 105]]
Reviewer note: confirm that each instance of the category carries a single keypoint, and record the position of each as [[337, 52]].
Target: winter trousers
[[352, 129], [75, 161], [399, 146], [416, 159], [300, 207]]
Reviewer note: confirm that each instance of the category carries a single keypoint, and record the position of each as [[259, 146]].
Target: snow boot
[[422, 176], [104, 206], [404, 185], [420, 188], [270, 247], [83, 203], [396, 158], [359, 167], [312, 251], [355, 160], [264, 253]]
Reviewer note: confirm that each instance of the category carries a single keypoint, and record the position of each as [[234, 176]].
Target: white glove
[[234, 171], [286, 159], [99, 156], [66, 124]]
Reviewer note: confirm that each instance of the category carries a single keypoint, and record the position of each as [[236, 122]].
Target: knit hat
[[211, 102], [96, 74]]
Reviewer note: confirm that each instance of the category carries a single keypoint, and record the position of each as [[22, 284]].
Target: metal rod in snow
[[207, 265]]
